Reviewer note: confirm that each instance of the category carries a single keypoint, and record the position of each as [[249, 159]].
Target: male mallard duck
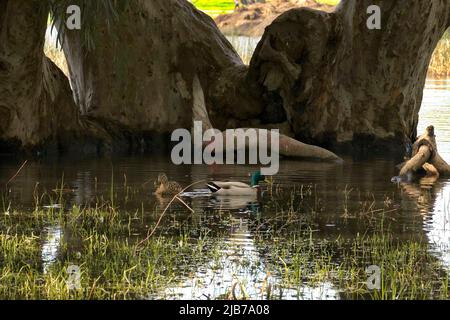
[[165, 187], [232, 188]]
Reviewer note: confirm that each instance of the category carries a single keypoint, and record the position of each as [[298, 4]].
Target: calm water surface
[[339, 191]]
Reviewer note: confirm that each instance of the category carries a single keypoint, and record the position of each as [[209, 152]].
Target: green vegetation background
[[223, 6]]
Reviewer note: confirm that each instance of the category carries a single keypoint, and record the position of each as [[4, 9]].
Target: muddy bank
[[251, 20]]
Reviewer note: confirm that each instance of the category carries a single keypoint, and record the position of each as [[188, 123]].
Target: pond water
[[338, 196]]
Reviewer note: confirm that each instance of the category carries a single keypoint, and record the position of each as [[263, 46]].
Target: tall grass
[[214, 7], [440, 62], [329, 2]]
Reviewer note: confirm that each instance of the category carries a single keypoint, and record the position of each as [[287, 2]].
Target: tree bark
[[342, 84], [35, 96], [416, 162], [288, 147], [37, 111], [425, 156], [140, 72], [335, 82]]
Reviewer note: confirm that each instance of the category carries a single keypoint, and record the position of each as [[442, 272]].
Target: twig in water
[[91, 293], [17, 173], [185, 204], [147, 182], [150, 233]]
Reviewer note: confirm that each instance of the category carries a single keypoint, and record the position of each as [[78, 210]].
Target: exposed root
[[426, 157]]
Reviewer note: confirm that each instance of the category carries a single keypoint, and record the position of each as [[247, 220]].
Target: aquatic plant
[[288, 256]]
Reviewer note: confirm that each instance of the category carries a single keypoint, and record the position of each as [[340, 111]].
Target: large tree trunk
[[325, 73], [37, 110], [342, 84], [35, 96], [140, 72]]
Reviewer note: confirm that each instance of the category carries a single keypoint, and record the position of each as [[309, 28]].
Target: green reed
[[101, 239]]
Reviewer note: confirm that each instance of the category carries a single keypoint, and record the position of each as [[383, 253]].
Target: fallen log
[[425, 156]]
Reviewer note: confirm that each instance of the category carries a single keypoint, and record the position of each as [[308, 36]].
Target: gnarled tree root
[[425, 156], [288, 147]]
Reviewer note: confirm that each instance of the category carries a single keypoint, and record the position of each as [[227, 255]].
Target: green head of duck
[[256, 178]]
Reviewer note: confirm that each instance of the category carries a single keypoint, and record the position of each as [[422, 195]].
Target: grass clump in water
[[408, 269], [288, 251]]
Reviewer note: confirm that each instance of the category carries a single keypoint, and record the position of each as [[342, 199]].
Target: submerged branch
[[151, 232], [17, 173], [426, 157]]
